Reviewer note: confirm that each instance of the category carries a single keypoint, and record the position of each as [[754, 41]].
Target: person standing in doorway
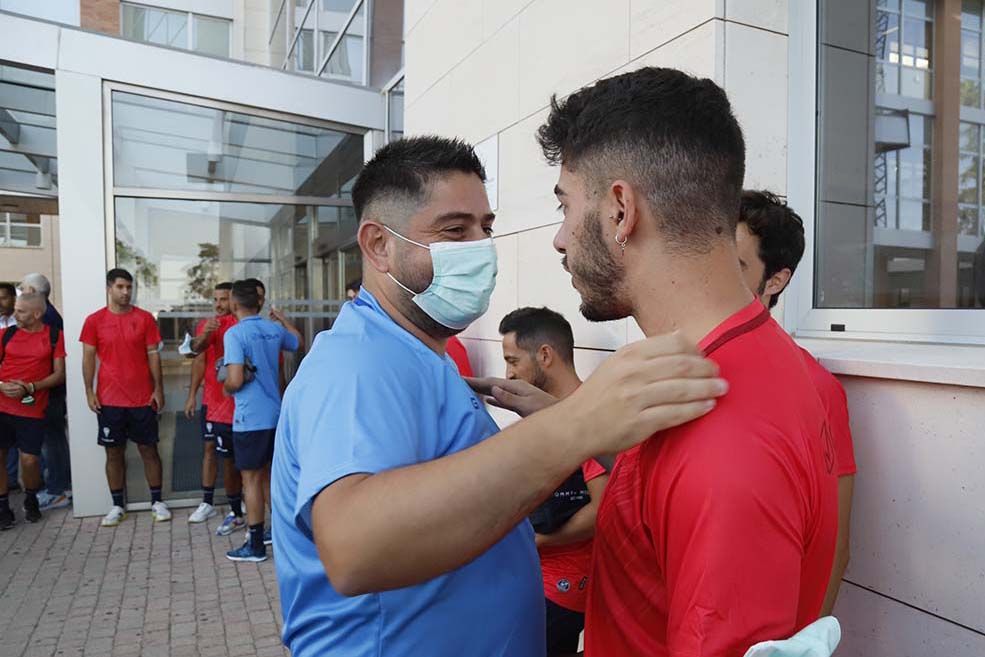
[[32, 363], [56, 458], [770, 242], [539, 348], [126, 342], [252, 351], [217, 415]]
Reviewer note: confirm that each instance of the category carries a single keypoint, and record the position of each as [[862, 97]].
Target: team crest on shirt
[[829, 448], [106, 432], [563, 585]]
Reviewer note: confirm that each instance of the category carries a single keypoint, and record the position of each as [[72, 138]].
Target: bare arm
[[580, 526], [154, 362], [405, 526], [55, 379], [201, 341], [198, 375], [89, 376], [234, 378], [846, 487]]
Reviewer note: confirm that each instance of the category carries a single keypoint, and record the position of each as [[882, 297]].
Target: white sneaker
[[202, 513], [160, 512], [114, 517]]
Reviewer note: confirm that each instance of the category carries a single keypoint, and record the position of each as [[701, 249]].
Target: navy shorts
[[222, 434], [254, 450], [117, 425], [24, 433], [203, 429]]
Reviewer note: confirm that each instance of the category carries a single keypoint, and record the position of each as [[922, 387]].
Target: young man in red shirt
[[217, 415], [720, 533], [32, 362], [126, 341], [539, 348], [770, 242]]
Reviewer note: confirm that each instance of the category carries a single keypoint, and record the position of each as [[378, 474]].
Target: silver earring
[[623, 243]]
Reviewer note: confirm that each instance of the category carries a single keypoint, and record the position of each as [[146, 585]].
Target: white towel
[[819, 639]]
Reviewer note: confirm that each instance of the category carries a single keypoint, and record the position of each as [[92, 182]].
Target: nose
[[561, 240]]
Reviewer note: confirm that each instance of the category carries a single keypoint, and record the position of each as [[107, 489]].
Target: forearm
[[579, 527], [198, 375], [409, 525], [834, 585], [201, 341], [53, 380], [88, 371], [154, 362]]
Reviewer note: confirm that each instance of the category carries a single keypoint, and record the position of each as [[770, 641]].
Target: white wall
[[59, 11], [479, 68]]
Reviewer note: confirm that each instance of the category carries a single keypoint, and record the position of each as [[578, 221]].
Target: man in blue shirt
[[251, 355], [389, 475]]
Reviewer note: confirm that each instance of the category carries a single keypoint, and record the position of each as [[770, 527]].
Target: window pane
[[970, 137], [968, 220], [917, 40], [304, 52], [395, 102], [968, 179], [970, 53], [165, 144], [346, 63], [158, 26], [212, 36], [887, 38], [971, 14], [24, 235], [971, 90], [922, 8]]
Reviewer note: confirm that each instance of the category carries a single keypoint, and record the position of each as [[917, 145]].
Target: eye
[[457, 231], [488, 230]]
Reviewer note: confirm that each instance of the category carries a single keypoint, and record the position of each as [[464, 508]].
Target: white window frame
[[191, 34], [6, 225], [800, 317]]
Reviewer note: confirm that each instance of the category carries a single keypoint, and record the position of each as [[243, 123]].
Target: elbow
[[346, 574]]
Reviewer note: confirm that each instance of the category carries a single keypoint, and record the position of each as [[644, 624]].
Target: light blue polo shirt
[[261, 340], [371, 397]]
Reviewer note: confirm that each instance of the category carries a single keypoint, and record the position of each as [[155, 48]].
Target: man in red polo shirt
[[770, 243], [539, 348], [32, 362], [126, 341], [217, 415], [720, 533]]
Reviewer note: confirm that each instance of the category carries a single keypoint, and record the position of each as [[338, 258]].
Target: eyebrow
[[451, 216]]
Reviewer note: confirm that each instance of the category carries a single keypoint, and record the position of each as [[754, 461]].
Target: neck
[[563, 384], [691, 294], [33, 327], [437, 345], [118, 308], [241, 314]]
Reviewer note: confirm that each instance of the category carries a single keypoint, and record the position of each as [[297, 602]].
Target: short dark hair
[[672, 135], [406, 167], [245, 294], [537, 326], [116, 273], [255, 282], [9, 288], [224, 286], [780, 231], [354, 285]]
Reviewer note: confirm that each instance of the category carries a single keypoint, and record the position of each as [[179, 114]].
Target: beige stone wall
[[101, 16]]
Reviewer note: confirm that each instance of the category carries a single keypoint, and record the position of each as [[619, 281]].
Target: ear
[[545, 356], [373, 242], [626, 208], [776, 283]]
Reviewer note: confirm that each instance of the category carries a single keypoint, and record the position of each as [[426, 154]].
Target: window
[[395, 109], [897, 222], [28, 162], [177, 29], [20, 230]]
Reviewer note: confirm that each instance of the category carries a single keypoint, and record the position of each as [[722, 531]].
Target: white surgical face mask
[[464, 278]]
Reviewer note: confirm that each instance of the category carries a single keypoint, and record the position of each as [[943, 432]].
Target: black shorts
[[117, 425], [253, 449], [24, 433], [202, 423], [564, 627], [222, 435]]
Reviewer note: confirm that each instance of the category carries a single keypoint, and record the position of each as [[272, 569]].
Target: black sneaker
[[6, 519], [31, 511]]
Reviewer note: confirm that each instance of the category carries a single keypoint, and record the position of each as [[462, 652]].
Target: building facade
[[866, 116]]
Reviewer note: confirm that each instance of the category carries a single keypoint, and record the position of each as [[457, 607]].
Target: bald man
[[32, 362]]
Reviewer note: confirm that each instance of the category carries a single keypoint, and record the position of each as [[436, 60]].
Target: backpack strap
[[8, 335]]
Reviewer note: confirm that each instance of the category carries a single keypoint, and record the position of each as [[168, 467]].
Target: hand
[[211, 325], [157, 400], [93, 401], [643, 388], [512, 394], [190, 407], [13, 389], [278, 315]]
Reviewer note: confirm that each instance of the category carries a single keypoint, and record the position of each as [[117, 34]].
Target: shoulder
[[143, 315], [828, 386], [96, 316]]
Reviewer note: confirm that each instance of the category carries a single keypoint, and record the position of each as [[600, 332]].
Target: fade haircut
[[256, 282], [116, 273], [538, 326], [224, 286], [245, 294], [402, 172], [671, 135], [780, 231]]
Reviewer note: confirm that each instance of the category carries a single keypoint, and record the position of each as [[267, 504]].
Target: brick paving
[[70, 588]]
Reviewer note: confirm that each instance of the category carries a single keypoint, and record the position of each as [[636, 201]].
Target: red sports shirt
[[836, 406], [28, 358], [122, 342], [220, 405], [720, 533], [565, 567], [457, 351]]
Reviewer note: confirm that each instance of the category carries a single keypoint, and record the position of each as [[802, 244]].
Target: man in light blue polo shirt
[[390, 477], [251, 358]]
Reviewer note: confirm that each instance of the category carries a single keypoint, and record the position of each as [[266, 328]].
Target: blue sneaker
[[268, 539], [230, 523], [247, 553]]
